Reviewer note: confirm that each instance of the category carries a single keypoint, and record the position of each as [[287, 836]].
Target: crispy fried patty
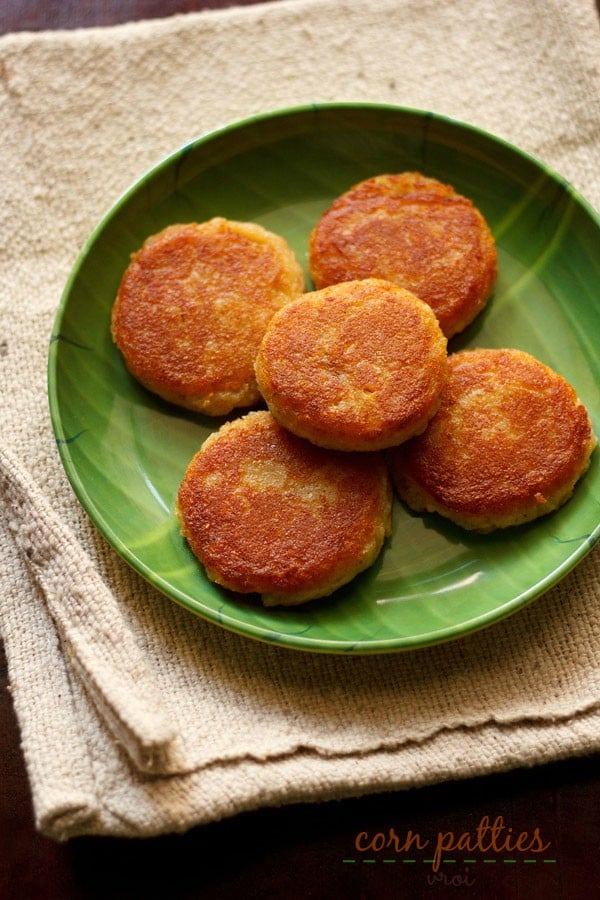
[[508, 443], [355, 366], [416, 232], [268, 512], [192, 308]]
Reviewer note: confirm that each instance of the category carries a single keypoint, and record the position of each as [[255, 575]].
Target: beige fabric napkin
[[137, 717]]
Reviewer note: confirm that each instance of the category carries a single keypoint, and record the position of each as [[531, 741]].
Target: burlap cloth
[[137, 717]]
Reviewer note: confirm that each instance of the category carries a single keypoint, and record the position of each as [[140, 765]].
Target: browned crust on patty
[[356, 366], [192, 308], [267, 512], [508, 443], [416, 232]]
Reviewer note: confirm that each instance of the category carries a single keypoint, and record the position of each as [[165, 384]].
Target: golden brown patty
[[508, 444], [416, 232], [267, 512], [193, 306], [356, 366]]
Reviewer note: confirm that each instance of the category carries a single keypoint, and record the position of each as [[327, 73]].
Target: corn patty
[[192, 308], [267, 512], [356, 366], [416, 232], [508, 444]]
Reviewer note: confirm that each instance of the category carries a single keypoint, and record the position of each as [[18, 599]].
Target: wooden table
[[298, 851]]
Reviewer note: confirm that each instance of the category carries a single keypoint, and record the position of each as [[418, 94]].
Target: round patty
[[267, 512], [355, 366], [508, 443], [192, 308], [416, 232]]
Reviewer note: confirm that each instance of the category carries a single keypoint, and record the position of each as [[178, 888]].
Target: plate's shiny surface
[[125, 451]]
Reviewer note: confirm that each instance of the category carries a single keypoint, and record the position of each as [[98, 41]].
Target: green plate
[[125, 451]]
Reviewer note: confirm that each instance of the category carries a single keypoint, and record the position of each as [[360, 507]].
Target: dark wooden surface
[[34, 15], [298, 851]]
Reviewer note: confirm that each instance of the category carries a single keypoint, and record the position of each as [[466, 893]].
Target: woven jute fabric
[[137, 717]]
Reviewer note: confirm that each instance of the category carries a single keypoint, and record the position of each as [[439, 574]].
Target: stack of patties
[[511, 438], [263, 510], [293, 502]]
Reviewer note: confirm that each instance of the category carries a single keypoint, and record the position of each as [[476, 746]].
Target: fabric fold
[[95, 638]]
